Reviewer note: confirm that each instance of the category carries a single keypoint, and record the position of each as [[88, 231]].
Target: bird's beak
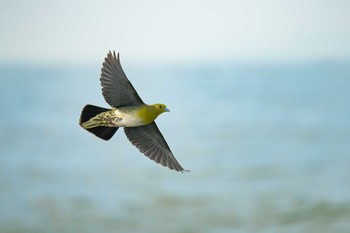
[[166, 109]]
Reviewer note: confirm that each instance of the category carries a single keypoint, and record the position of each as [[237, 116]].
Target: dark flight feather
[[102, 132], [116, 88], [149, 140]]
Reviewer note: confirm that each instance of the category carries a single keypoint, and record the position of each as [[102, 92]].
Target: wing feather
[[149, 140], [116, 88]]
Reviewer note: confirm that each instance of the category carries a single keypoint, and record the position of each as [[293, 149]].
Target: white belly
[[124, 119]]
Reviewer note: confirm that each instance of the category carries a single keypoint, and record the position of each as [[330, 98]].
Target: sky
[[184, 30]]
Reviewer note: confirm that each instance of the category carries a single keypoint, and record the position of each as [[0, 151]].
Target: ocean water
[[267, 145]]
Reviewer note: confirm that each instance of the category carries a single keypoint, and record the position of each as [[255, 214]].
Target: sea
[[268, 146]]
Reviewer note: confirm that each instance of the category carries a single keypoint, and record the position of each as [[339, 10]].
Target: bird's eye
[[160, 106]]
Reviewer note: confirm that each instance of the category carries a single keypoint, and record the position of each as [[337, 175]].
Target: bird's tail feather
[[103, 132]]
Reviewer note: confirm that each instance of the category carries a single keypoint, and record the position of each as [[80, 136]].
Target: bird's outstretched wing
[[116, 88], [149, 140]]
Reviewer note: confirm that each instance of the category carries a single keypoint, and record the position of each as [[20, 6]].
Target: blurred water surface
[[267, 146]]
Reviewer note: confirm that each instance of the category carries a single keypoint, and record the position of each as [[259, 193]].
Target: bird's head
[[160, 108], [150, 112]]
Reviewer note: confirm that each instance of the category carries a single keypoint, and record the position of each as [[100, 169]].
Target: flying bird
[[128, 111]]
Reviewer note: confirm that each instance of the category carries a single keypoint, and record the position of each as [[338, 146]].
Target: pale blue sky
[[181, 30]]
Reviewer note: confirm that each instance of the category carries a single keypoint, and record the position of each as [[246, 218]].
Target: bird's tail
[[103, 132]]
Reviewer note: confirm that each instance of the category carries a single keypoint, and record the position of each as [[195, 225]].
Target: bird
[[130, 112]]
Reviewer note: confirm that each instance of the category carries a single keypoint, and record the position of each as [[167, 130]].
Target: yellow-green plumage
[[148, 113]]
